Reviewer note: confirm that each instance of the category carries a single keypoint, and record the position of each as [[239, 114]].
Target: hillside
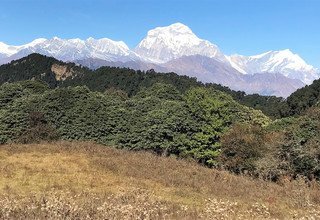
[[60, 74], [38, 67], [165, 117], [159, 118], [88, 181], [304, 98], [201, 123]]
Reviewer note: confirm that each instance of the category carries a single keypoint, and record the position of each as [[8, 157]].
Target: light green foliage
[[214, 112]]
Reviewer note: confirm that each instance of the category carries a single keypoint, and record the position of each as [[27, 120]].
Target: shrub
[[241, 147], [39, 130]]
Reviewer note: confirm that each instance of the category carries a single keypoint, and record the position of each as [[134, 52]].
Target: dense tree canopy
[[159, 118]]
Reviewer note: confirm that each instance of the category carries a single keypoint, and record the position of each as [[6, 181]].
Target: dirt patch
[[61, 71]]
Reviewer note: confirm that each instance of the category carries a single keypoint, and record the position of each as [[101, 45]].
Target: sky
[[246, 27]]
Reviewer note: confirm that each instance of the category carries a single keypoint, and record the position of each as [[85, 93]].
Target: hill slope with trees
[[59, 74], [162, 113], [159, 118]]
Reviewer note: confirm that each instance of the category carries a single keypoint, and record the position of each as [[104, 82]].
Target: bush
[[38, 130], [241, 147]]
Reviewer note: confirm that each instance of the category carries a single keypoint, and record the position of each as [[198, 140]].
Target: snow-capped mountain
[[6, 50], [9, 50], [74, 49], [284, 62], [163, 44], [176, 48]]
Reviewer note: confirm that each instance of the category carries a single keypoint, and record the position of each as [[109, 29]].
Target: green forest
[[164, 113]]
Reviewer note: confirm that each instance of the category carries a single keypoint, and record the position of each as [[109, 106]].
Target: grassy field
[[66, 180]]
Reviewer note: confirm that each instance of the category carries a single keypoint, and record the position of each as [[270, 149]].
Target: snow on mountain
[[163, 44], [32, 44], [7, 50], [284, 61], [177, 48], [73, 49]]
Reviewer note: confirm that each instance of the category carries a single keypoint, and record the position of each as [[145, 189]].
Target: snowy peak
[[97, 45], [7, 50], [282, 58], [174, 29], [33, 43], [72, 49], [284, 61], [163, 44], [108, 46]]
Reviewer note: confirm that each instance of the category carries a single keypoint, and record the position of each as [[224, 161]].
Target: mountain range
[[176, 48]]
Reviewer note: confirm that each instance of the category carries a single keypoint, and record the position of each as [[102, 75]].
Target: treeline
[[304, 98], [201, 123], [159, 118], [131, 81], [39, 67]]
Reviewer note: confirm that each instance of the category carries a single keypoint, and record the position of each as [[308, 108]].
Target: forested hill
[[159, 112], [59, 74], [304, 98], [39, 67]]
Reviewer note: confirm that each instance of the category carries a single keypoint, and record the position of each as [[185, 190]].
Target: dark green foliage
[[34, 86], [132, 81], [36, 67], [158, 118], [39, 67], [304, 98], [161, 91], [32, 67], [275, 107], [301, 145], [128, 80]]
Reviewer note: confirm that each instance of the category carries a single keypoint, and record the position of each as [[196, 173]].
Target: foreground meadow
[[81, 180]]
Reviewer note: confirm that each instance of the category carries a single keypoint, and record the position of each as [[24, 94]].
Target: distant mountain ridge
[[73, 49], [284, 62], [176, 48]]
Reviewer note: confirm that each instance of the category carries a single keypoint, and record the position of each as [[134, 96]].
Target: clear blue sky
[[246, 27]]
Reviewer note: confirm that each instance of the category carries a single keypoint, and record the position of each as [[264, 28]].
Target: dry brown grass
[[66, 180]]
